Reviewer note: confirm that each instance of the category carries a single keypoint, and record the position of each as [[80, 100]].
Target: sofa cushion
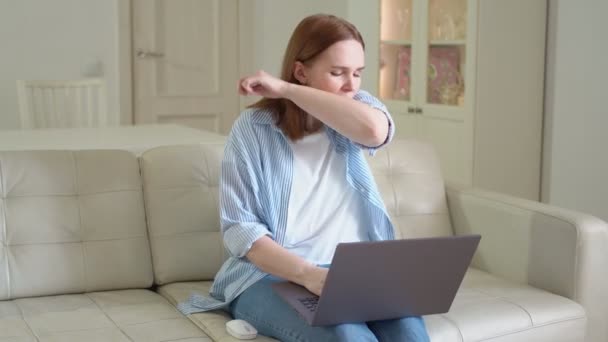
[[129, 315], [490, 308], [181, 195], [71, 223], [486, 308], [409, 179], [213, 323]]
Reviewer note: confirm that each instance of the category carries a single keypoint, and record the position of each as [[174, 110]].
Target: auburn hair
[[312, 36]]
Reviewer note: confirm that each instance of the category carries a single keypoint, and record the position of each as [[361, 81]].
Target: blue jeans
[[271, 316]]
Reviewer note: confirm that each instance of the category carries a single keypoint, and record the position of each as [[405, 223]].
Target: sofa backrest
[[71, 222], [409, 179], [75, 221], [181, 196]]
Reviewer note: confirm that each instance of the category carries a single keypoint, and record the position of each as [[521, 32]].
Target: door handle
[[418, 110], [410, 109], [148, 54]]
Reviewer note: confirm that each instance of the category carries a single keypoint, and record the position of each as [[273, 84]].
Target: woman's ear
[[299, 72]]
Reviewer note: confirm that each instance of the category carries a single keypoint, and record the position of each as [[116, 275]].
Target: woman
[[295, 183]]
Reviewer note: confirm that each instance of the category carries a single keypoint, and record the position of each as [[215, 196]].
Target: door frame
[[246, 34], [125, 71]]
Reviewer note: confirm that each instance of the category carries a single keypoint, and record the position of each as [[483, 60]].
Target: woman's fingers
[[250, 86], [260, 84], [241, 89]]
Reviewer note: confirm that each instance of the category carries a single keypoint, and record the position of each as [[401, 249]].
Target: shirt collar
[[262, 116]]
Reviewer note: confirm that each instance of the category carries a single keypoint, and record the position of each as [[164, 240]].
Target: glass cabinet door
[[446, 56], [395, 49]]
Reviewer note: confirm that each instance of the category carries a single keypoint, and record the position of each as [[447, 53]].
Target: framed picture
[[444, 64], [402, 79]]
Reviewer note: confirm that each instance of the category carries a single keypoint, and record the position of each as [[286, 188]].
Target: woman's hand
[[315, 279], [262, 84]]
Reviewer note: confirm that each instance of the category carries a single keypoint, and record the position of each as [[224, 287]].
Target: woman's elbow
[[377, 135]]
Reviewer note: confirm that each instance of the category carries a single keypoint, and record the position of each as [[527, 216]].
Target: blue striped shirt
[[255, 185]]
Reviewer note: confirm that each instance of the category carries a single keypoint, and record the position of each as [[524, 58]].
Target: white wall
[[275, 20], [575, 166], [58, 39], [64, 39]]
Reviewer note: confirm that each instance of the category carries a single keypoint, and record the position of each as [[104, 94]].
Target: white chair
[[63, 104]]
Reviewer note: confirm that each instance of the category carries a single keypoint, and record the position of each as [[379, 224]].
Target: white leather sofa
[[101, 245]]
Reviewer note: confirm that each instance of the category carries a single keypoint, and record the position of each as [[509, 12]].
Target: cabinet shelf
[[448, 42], [404, 42], [396, 42]]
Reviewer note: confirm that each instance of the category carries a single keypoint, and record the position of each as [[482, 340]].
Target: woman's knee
[[410, 329], [355, 332]]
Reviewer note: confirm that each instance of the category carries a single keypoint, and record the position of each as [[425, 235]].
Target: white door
[[185, 62]]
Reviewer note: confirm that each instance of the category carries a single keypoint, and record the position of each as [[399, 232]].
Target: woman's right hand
[[274, 259], [315, 279], [262, 84]]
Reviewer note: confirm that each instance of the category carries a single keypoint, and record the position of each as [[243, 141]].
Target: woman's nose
[[349, 83]]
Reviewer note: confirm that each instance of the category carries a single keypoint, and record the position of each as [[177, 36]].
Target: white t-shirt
[[322, 206]]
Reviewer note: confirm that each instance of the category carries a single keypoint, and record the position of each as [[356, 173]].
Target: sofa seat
[[213, 323], [486, 308], [126, 315]]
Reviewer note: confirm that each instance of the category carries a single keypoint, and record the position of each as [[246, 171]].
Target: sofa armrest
[[558, 250]]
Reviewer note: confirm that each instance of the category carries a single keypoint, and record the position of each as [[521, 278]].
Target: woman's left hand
[[262, 84]]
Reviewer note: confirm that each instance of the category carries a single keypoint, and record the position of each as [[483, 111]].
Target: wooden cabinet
[[468, 76], [464, 75]]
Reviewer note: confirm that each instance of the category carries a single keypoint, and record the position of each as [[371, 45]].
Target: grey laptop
[[370, 281]]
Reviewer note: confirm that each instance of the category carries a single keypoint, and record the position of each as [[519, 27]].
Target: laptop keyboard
[[310, 303]]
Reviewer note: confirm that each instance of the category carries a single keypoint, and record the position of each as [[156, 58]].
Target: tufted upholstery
[[74, 222], [116, 316], [550, 248], [410, 183], [182, 209], [487, 308], [181, 189], [77, 262], [70, 223]]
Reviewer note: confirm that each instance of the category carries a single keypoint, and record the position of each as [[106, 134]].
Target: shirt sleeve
[[367, 98], [240, 222]]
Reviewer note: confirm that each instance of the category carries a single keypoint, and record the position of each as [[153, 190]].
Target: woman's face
[[336, 70]]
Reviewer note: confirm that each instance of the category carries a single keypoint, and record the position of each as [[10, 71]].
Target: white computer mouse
[[241, 329]]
